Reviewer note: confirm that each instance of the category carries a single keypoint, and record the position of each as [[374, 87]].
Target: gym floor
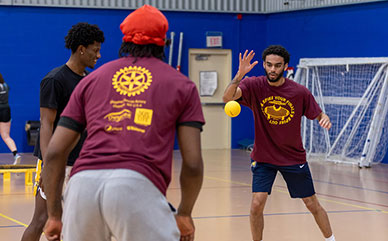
[[356, 201]]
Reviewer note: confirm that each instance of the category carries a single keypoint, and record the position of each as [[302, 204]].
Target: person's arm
[[233, 92], [47, 118], [58, 150], [190, 178], [324, 120]]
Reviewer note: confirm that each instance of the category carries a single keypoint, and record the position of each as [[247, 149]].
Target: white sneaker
[[17, 159]]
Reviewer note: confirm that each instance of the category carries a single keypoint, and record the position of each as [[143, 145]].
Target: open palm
[[245, 63]]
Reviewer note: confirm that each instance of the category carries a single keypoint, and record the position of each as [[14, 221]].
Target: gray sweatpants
[[119, 203]]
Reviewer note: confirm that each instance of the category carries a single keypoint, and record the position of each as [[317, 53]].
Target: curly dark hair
[[277, 50], [137, 50], [83, 34]]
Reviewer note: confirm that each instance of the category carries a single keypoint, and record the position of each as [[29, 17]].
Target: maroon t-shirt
[[277, 112], [131, 110]]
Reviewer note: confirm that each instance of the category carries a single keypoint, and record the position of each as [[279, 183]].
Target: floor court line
[[12, 226], [365, 179], [356, 187], [327, 200], [315, 180], [343, 198], [282, 214], [227, 181], [331, 183], [352, 205], [13, 220]]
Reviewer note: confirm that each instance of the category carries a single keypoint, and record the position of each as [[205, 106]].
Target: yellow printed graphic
[[143, 116], [125, 102], [37, 175], [132, 80], [134, 128], [110, 128], [119, 116], [278, 110]]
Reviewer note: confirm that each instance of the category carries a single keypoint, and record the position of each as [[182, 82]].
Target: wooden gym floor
[[356, 201]]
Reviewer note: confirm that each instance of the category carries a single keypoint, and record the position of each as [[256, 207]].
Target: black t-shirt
[[4, 89], [55, 91]]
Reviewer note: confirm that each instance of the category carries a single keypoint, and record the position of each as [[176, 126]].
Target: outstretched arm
[[324, 120], [60, 145], [190, 178], [233, 92]]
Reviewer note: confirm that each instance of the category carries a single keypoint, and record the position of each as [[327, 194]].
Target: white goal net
[[354, 94]]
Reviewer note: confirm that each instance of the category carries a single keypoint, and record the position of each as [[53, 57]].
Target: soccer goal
[[354, 93]]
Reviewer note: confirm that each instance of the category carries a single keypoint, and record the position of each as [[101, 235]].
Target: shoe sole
[[17, 160]]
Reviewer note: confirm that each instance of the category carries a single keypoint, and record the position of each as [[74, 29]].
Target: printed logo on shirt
[[125, 102], [110, 128], [143, 116], [132, 80], [119, 116], [134, 128], [278, 110]]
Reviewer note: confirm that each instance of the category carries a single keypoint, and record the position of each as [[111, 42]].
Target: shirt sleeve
[[311, 107], [192, 108], [75, 108], [245, 90], [71, 124], [50, 93], [192, 124]]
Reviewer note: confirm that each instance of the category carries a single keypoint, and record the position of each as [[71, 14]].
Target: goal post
[[354, 94]]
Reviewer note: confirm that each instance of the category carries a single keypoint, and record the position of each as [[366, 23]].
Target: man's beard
[[273, 80]]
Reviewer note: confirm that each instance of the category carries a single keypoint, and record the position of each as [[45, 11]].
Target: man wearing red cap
[[132, 107]]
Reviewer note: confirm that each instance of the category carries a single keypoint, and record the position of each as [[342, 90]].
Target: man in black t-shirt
[[84, 41], [55, 91]]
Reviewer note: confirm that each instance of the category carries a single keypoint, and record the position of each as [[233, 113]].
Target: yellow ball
[[232, 108]]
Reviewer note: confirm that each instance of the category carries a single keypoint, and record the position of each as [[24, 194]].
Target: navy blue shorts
[[298, 178]]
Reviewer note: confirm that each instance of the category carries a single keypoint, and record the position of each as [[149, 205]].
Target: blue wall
[[32, 43]]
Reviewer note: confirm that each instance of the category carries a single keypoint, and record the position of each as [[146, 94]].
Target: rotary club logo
[[132, 80], [278, 110]]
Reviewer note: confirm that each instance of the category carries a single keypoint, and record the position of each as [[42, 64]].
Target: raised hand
[[245, 63]]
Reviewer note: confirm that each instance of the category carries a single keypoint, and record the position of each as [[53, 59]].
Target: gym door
[[210, 69]]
